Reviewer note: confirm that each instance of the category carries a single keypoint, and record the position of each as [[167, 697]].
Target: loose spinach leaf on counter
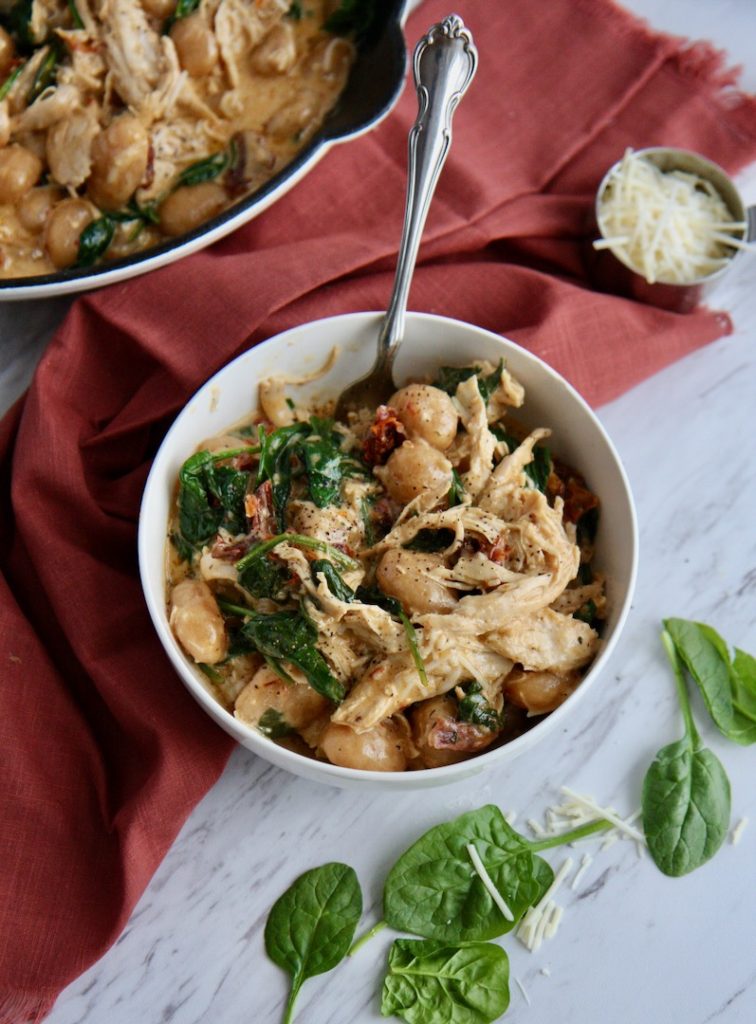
[[433, 891], [336, 585], [310, 927], [475, 709], [431, 982], [290, 637], [707, 658], [686, 794]]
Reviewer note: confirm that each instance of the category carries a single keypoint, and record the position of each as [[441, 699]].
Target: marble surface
[[634, 946]]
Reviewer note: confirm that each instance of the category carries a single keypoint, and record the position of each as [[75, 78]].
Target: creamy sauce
[[258, 105]]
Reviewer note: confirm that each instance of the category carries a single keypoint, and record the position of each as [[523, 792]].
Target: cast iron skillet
[[374, 85]]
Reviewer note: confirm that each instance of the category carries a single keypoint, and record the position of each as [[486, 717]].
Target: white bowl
[[430, 341]]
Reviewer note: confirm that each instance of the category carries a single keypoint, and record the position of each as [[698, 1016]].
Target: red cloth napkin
[[104, 754]]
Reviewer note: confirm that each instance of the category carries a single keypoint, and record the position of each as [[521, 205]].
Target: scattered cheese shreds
[[546, 972], [585, 863], [485, 878], [738, 831], [521, 987], [607, 813], [535, 923], [672, 227]]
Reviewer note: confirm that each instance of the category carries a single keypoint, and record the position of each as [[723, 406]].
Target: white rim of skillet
[[474, 765], [169, 251]]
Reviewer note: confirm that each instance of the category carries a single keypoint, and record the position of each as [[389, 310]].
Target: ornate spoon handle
[[444, 64]]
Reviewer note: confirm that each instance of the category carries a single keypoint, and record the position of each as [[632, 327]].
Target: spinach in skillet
[[686, 794], [430, 982], [311, 926]]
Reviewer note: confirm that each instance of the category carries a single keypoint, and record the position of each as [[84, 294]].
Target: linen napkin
[[104, 754]]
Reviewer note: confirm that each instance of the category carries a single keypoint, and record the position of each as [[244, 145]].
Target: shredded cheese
[[485, 878], [606, 812], [738, 831], [542, 920], [521, 987], [585, 863], [672, 227]]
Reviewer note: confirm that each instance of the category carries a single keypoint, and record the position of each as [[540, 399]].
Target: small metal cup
[[609, 271]]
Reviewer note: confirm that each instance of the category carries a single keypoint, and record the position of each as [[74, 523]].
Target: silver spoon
[[444, 63]]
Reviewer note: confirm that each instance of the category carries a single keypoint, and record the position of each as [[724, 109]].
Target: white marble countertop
[[634, 946]]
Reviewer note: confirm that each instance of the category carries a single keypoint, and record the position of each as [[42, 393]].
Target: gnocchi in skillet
[[401, 591], [126, 122]]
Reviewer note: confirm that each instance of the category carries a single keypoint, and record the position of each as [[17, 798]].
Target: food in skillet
[[404, 590], [123, 123]]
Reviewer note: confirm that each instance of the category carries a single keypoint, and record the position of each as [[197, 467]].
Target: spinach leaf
[[75, 16], [372, 595], [204, 170], [432, 890], [430, 541], [450, 377], [311, 926], [210, 497], [686, 794], [265, 577], [10, 81], [432, 982], [276, 452], [335, 583], [353, 17], [744, 684], [295, 11], [456, 491], [538, 470], [587, 612], [409, 632], [706, 657], [273, 724], [94, 241], [299, 540], [290, 637], [19, 24], [46, 72], [474, 708], [325, 463]]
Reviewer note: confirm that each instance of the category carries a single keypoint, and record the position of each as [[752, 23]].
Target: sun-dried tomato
[[386, 433], [566, 483], [260, 512]]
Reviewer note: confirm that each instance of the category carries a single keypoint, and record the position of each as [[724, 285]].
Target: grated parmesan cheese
[[672, 227], [487, 881], [738, 831]]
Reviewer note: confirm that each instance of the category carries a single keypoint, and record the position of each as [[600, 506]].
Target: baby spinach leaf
[[291, 637], [298, 540], [311, 926], [432, 982], [744, 683], [456, 491], [409, 632], [450, 377], [325, 463], [335, 583], [353, 17], [211, 496], [707, 658], [487, 385], [75, 16], [686, 794], [94, 241], [204, 170], [265, 577], [586, 612], [273, 724], [19, 23], [46, 72], [474, 708], [539, 469], [276, 452], [372, 595], [433, 890], [10, 81], [295, 11]]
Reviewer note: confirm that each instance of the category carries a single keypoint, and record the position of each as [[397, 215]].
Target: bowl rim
[[323, 771], [70, 280]]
